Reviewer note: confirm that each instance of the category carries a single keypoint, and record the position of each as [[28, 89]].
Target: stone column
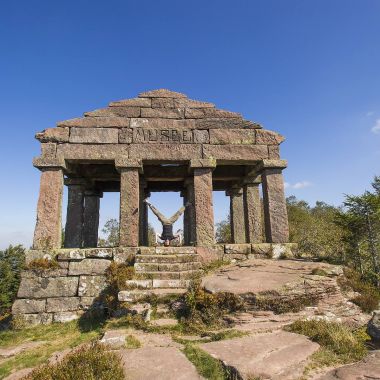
[[185, 218], [143, 223], [74, 215], [252, 210], [237, 215], [129, 201], [203, 206], [48, 231], [91, 218], [189, 217], [275, 213]]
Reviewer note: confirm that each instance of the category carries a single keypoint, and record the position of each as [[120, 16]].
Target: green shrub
[[279, 304], [369, 297], [91, 362], [202, 308], [11, 263], [337, 338], [319, 272]]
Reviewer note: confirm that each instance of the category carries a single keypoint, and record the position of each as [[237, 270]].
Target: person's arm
[[174, 218], [160, 216]]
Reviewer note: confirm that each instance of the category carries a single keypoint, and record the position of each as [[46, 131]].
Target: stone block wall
[[65, 293]]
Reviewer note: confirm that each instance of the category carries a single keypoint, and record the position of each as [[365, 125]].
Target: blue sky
[[307, 69]]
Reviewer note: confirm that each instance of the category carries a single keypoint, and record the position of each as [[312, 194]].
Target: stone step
[[136, 295], [185, 275], [184, 258], [167, 250], [166, 267]]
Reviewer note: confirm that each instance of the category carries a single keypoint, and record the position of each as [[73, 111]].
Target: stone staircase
[[162, 271]]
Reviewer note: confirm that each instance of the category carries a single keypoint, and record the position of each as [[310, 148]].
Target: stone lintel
[[272, 164], [128, 163], [43, 163], [75, 182], [234, 191], [252, 180], [202, 163]]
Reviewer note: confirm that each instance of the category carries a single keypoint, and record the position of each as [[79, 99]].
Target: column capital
[[253, 181], [45, 163], [234, 191], [93, 193], [272, 164], [202, 163], [75, 182], [122, 163]]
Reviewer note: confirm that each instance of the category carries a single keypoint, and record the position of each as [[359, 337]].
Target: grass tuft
[[319, 272], [338, 343], [206, 365], [131, 342], [86, 363], [42, 264]]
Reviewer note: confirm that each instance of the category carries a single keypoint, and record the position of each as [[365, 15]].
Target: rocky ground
[[263, 349]]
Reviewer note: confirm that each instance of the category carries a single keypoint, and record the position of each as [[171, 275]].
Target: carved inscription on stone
[[169, 135]]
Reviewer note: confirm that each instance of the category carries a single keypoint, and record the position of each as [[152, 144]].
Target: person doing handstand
[[167, 223]]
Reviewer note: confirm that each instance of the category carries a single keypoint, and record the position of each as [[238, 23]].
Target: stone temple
[[159, 141]]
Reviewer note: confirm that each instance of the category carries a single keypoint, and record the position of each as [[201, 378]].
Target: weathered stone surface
[[165, 135], [48, 287], [36, 254], [92, 152], [47, 233], [95, 122], [161, 93], [368, 368], [278, 355], [62, 304], [189, 103], [163, 103], [28, 306], [129, 207], [115, 111], [94, 135], [163, 123], [242, 248], [264, 249], [124, 254], [232, 136], [204, 213], [66, 316], [266, 137], [38, 319], [91, 286], [252, 209], [283, 250], [236, 153], [53, 135], [373, 327], [273, 152], [237, 216], [125, 135], [114, 339], [174, 113], [71, 254], [74, 218], [88, 266], [200, 113], [209, 254], [135, 102], [165, 151], [174, 250], [201, 136], [48, 150], [275, 212], [91, 224], [100, 253], [163, 362], [228, 122]]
